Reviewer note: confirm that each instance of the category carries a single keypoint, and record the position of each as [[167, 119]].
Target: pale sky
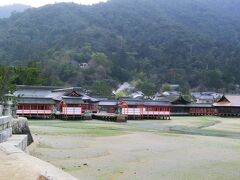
[[37, 3]]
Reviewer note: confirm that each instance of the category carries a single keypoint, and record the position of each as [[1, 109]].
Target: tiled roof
[[229, 100], [163, 102], [73, 101], [50, 92], [36, 101], [108, 103], [32, 93]]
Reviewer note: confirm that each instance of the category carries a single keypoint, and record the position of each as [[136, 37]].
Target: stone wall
[[5, 128], [20, 126], [1, 109]]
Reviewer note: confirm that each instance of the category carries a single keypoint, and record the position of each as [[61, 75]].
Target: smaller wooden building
[[180, 106], [36, 107], [71, 106], [228, 105], [199, 109], [49, 102], [33, 101], [108, 106], [145, 109]]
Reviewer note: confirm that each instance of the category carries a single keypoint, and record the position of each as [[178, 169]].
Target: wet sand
[[139, 150]]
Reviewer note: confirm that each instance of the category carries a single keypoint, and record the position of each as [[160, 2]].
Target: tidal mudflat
[[182, 148]]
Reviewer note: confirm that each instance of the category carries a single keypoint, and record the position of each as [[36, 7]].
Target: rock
[[20, 126], [87, 117], [121, 118], [42, 178]]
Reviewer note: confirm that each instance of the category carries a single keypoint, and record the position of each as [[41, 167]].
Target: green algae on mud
[[69, 131], [203, 125]]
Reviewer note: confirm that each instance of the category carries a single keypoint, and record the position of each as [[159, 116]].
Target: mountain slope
[[6, 11], [148, 42]]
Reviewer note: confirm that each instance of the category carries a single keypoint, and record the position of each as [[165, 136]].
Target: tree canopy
[[149, 42]]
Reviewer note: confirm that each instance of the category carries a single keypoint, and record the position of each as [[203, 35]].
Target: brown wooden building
[[199, 109], [228, 105], [145, 109], [180, 106], [50, 102], [108, 106]]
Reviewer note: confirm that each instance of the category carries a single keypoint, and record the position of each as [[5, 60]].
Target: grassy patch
[[168, 134], [72, 169], [95, 128], [80, 131], [178, 125], [205, 123], [43, 145]]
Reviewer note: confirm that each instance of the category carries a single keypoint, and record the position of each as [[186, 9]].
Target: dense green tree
[[28, 75], [84, 55], [184, 42], [165, 87], [101, 88], [212, 79], [184, 89], [6, 75], [147, 87], [120, 94]]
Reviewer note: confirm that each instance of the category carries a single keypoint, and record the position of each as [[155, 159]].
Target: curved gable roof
[[229, 100]]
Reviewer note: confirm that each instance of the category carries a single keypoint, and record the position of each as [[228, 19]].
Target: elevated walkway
[[16, 164], [14, 144], [5, 128]]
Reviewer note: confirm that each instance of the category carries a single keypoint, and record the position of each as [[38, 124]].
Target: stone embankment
[[5, 128], [20, 126], [110, 117], [15, 163]]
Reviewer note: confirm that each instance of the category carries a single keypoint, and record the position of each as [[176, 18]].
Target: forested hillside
[[146, 42], [6, 11]]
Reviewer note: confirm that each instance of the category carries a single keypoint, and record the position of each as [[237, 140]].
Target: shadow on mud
[[203, 132], [191, 130]]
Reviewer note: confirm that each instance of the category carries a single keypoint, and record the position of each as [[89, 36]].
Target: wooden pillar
[[37, 109], [44, 110], [74, 110]]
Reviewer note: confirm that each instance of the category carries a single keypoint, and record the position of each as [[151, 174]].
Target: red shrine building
[[145, 109], [51, 102]]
